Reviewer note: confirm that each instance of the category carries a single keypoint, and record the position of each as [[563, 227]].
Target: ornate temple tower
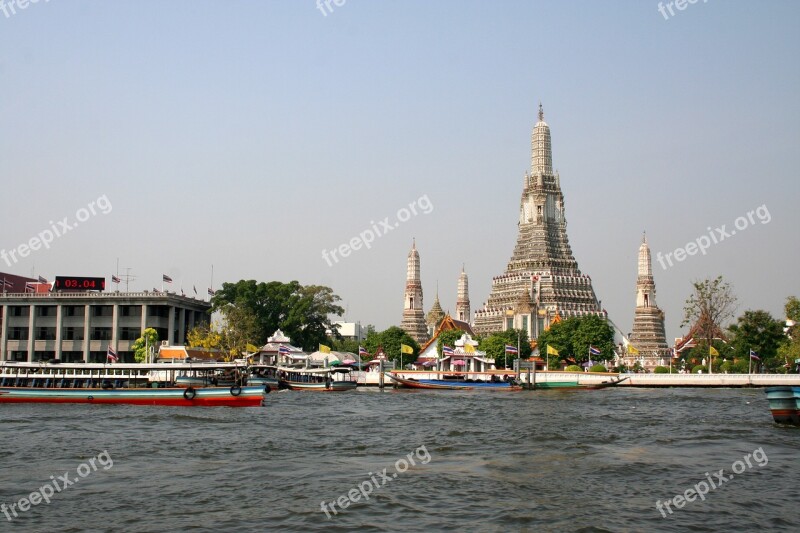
[[463, 312], [648, 323], [542, 278], [435, 315], [413, 316]]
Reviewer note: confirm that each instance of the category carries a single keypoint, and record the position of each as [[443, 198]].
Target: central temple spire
[[541, 151], [542, 282]]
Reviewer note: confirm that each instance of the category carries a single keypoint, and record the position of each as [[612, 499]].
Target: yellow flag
[[632, 349], [406, 349], [551, 351], [712, 351], [469, 348], [324, 349]]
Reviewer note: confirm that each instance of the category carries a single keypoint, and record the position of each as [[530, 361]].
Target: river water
[[453, 460]]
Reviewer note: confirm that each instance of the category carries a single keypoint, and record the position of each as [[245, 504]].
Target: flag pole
[[750, 361]]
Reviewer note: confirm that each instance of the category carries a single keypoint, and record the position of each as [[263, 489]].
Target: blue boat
[[784, 403]]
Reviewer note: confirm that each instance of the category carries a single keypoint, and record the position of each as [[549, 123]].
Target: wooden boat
[[445, 384], [125, 383], [265, 375], [784, 403], [336, 379], [574, 384]]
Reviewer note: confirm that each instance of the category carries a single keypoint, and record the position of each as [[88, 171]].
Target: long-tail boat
[[446, 384]]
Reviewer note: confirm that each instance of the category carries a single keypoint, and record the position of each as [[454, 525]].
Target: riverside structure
[[82, 326]]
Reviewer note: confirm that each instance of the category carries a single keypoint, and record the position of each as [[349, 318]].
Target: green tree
[[140, 346], [789, 350], [710, 305], [757, 330], [559, 336], [495, 347], [302, 313], [391, 339], [573, 336], [448, 338], [594, 331]]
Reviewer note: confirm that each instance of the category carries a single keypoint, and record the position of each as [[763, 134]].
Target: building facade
[[413, 315], [542, 279], [81, 326]]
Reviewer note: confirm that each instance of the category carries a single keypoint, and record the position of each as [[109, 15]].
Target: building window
[[525, 322], [102, 310], [18, 310], [18, 334], [101, 334], [45, 334], [129, 334], [73, 310], [509, 323], [131, 310], [72, 334], [46, 310]]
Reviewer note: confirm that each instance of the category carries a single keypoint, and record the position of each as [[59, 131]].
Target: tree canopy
[[302, 313], [759, 331], [573, 336], [140, 346], [711, 304], [495, 347], [391, 339]]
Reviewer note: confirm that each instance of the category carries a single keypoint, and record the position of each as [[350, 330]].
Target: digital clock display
[[79, 283]]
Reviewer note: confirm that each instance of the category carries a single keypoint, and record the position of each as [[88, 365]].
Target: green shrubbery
[[573, 368], [661, 370], [598, 368], [697, 368]]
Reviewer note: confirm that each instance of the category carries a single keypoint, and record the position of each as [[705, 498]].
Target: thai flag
[[754, 355], [362, 351], [115, 279], [284, 350], [210, 292], [593, 350], [446, 350], [111, 355], [30, 287], [7, 283], [166, 279], [511, 349], [42, 280]]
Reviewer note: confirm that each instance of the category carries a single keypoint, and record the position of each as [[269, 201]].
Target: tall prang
[[463, 312], [648, 335], [413, 316], [542, 279]]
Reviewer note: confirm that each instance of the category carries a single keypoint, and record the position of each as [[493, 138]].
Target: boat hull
[[233, 397], [334, 386], [784, 404], [439, 384]]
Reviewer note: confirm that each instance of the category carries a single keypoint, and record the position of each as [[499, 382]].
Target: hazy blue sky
[[253, 135]]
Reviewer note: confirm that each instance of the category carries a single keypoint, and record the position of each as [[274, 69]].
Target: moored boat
[[454, 384], [126, 383], [336, 379], [784, 404]]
